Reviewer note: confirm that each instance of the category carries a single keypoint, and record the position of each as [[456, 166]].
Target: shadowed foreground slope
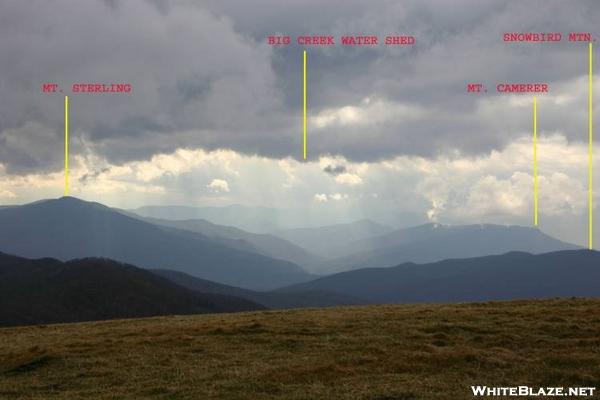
[[272, 300], [49, 291], [365, 352]]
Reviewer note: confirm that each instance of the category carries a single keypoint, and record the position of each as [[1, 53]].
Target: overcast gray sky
[[215, 112]]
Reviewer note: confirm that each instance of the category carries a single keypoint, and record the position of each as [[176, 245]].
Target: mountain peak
[[72, 200], [66, 201], [68, 227]]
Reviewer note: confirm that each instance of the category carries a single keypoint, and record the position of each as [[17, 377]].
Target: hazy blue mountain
[[252, 219], [510, 276], [435, 242], [69, 228], [261, 219], [265, 244], [276, 300], [49, 291], [333, 240]]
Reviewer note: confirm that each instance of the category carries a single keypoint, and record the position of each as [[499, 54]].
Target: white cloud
[[349, 179], [320, 198], [491, 196], [218, 185], [338, 196], [368, 112], [7, 194], [435, 210]]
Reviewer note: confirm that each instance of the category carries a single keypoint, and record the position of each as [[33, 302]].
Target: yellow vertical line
[[304, 101], [590, 158], [535, 176], [66, 145]]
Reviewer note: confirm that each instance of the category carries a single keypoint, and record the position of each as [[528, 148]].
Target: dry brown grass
[[373, 352]]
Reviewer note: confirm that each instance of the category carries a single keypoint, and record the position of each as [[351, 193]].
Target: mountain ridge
[[270, 299], [46, 290], [262, 243], [513, 275], [333, 240], [68, 228], [435, 242]]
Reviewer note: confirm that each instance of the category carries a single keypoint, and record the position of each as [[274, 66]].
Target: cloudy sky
[[215, 116]]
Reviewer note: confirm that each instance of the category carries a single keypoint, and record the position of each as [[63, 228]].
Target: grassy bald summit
[[408, 352], [68, 228]]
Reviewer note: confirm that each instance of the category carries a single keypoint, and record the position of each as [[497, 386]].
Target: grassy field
[[371, 352]]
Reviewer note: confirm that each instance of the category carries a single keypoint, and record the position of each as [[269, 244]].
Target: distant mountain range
[[513, 275], [258, 219], [262, 243], [206, 257], [49, 291], [361, 244], [333, 240], [435, 242], [253, 219], [69, 228]]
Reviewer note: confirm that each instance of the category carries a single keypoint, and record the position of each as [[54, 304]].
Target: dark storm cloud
[[203, 76], [93, 175], [335, 170]]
